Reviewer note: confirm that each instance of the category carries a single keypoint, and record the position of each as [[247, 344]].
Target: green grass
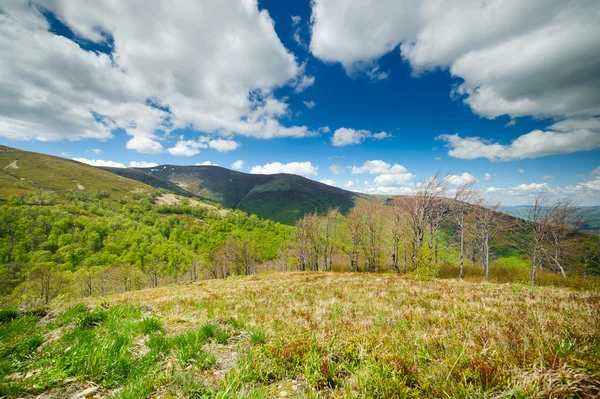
[[337, 335], [40, 172]]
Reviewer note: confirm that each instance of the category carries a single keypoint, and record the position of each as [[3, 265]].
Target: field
[[316, 335]]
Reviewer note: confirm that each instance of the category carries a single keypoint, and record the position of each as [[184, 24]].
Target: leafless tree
[[461, 207], [355, 221], [329, 227]]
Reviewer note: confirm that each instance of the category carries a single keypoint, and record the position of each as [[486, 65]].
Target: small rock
[[90, 392]]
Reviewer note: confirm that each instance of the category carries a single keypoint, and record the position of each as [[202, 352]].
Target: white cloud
[[154, 79], [296, 168], [186, 148], [592, 184], [346, 136], [296, 19], [99, 162], [335, 169], [309, 104], [521, 171], [457, 180], [487, 177], [223, 145], [238, 165], [142, 164], [548, 177], [96, 151], [303, 83], [596, 171], [378, 167], [349, 184], [329, 182], [206, 163], [554, 75], [531, 145], [395, 179], [144, 145], [65, 154], [390, 190], [532, 188]]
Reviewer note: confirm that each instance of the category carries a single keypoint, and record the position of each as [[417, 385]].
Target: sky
[[370, 96]]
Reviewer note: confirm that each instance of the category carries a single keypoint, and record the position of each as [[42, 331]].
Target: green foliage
[[85, 244]]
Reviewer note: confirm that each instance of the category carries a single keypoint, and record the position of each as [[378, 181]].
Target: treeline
[[85, 243], [448, 225]]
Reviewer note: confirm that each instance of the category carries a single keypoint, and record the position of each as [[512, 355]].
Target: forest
[[76, 244]]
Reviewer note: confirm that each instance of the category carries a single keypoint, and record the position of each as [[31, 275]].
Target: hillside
[[24, 172], [592, 217], [281, 197], [306, 335]]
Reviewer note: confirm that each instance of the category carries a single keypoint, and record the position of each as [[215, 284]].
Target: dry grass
[[361, 335]]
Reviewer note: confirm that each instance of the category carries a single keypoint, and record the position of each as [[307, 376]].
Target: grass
[[314, 335], [39, 172]]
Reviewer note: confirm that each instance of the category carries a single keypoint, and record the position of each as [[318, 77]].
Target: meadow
[[310, 334]]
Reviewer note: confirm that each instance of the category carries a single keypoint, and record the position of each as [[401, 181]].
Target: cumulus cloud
[[142, 164], [186, 148], [223, 145], [309, 104], [346, 136], [596, 171], [335, 169], [146, 82], [96, 151], [207, 163], [378, 167], [458, 180], [295, 168], [329, 182], [238, 165], [349, 184], [390, 190], [99, 162], [487, 177], [534, 144], [476, 42]]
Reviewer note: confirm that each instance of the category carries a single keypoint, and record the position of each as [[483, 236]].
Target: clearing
[[330, 335]]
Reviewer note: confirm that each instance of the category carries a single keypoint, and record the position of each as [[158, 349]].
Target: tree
[[329, 228], [460, 208], [551, 225], [355, 222], [485, 225]]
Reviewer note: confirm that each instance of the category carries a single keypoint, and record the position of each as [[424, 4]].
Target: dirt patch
[[12, 165]]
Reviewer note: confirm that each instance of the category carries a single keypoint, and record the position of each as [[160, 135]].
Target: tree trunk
[[462, 251]]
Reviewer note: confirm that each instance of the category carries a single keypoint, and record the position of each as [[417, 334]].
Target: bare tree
[[422, 209], [486, 224], [355, 221], [460, 209], [551, 227], [374, 226], [329, 227]]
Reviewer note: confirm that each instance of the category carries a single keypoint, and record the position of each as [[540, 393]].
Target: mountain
[[592, 217], [23, 172], [280, 197]]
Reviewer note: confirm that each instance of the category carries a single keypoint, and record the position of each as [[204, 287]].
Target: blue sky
[[368, 96]]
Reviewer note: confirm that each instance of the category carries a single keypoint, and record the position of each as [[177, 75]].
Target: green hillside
[[23, 172], [281, 197]]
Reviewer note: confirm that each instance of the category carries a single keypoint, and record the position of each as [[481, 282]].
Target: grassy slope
[[48, 173], [282, 197], [314, 335]]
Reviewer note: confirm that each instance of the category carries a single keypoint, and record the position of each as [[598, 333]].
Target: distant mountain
[[283, 198], [521, 211], [23, 172]]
